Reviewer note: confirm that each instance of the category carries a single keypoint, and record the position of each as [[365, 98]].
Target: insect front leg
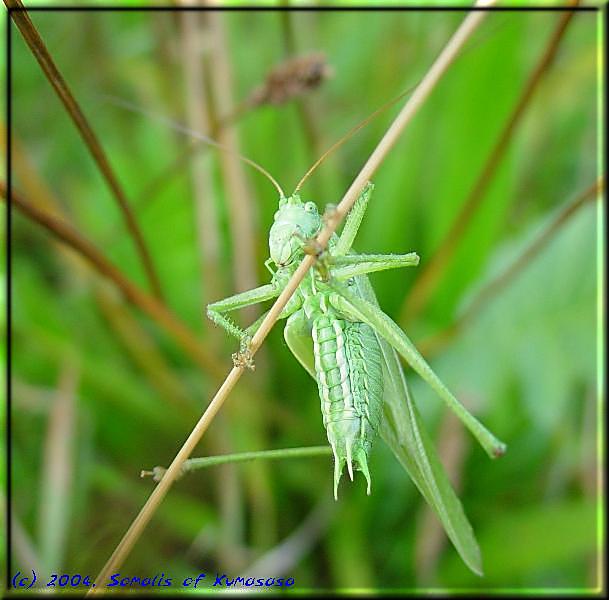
[[243, 358], [358, 309], [352, 265], [216, 310]]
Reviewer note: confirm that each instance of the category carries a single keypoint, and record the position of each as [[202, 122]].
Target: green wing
[[403, 432]]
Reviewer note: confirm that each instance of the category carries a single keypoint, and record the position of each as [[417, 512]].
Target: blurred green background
[[101, 391]]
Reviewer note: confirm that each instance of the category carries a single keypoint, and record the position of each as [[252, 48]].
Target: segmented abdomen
[[350, 381]]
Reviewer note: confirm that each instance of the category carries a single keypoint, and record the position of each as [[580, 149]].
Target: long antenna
[[176, 126], [351, 133]]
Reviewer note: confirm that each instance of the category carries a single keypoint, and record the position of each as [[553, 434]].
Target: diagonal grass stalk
[[147, 303], [438, 341], [431, 275], [414, 103], [34, 41]]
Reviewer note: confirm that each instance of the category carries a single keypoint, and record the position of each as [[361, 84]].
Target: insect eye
[[310, 207], [351, 281]]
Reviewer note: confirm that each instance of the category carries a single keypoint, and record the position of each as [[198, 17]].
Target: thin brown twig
[[148, 304], [242, 221], [34, 41], [198, 118], [435, 343], [137, 340], [428, 83], [239, 197], [58, 467], [197, 46], [431, 275]]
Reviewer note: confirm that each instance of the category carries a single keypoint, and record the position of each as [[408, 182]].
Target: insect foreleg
[[352, 265], [353, 222], [215, 310], [358, 309]]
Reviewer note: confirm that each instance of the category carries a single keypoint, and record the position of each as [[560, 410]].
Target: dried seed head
[[291, 79]]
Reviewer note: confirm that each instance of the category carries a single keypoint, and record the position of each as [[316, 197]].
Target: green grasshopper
[[338, 333]]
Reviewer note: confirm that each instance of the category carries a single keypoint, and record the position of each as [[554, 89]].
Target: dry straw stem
[[136, 339], [441, 64], [198, 118], [433, 344], [58, 467], [242, 222], [148, 304], [239, 196], [431, 275], [40, 52]]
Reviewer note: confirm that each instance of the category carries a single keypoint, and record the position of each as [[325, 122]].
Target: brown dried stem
[[137, 340], [429, 278], [40, 52], [238, 195], [197, 110], [273, 91], [242, 221], [148, 304], [440, 65], [438, 341]]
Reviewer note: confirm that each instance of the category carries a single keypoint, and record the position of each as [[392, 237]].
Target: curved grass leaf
[[403, 432]]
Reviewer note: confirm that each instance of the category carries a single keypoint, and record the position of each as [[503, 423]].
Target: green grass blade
[[403, 432]]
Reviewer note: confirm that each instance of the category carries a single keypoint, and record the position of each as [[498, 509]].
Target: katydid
[[338, 333]]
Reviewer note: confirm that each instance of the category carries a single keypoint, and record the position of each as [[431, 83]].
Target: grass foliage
[[101, 392]]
